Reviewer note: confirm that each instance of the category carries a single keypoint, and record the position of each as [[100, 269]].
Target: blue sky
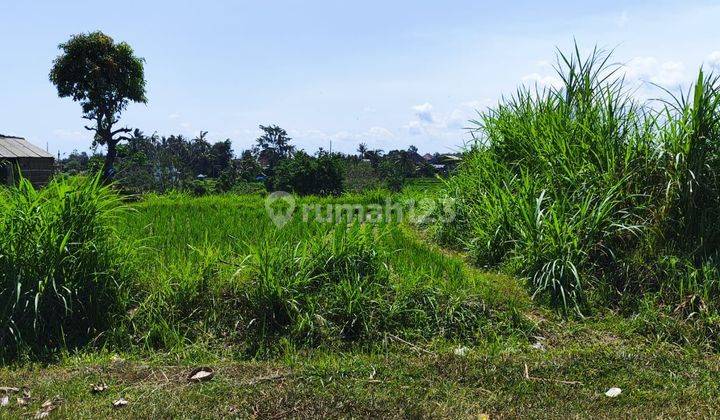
[[388, 73]]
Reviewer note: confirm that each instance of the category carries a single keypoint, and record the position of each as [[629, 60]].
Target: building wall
[[37, 170]]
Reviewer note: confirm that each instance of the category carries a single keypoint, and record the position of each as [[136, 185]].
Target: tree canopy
[[103, 76]]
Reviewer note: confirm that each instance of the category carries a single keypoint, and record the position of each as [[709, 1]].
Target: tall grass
[[231, 276], [61, 266], [584, 191]]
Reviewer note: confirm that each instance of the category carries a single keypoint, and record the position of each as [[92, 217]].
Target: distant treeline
[[153, 163]]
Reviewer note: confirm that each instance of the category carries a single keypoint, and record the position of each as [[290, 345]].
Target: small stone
[[461, 351], [613, 392], [122, 402], [96, 389], [201, 374]]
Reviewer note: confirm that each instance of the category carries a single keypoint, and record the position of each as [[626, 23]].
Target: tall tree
[[199, 149], [221, 156], [273, 145], [104, 77], [362, 150]]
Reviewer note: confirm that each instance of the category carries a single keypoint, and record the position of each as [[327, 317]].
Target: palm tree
[[362, 149]]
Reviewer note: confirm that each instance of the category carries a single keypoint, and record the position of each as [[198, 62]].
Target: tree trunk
[[109, 168]]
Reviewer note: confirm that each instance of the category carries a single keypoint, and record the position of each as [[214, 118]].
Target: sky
[[387, 73]]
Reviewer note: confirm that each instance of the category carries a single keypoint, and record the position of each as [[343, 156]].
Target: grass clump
[[233, 277], [587, 193], [62, 277]]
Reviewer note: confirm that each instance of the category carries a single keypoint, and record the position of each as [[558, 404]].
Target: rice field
[[574, 250]]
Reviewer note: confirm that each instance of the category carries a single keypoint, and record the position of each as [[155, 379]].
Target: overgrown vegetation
[[62, 268], [606, 206], [233, 276], [595, 198], [228, 277]]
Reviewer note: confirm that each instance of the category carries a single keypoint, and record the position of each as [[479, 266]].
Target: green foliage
[[100, 74], [360, 176], [568, 186], [104, 77], [273, 146], [392, 175], [304, 174], [200, 187], [62, 278], [231, 275]]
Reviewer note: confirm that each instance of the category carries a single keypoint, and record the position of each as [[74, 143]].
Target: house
[[34, 163]]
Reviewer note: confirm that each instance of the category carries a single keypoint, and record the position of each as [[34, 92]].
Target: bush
[[61, 267], [338, 285], [200, 187], [568, 186], [248, 188], [305, 175], [360, 176]]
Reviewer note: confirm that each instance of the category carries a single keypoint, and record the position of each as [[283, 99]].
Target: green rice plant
[[327, 285], [216, 270], [62, 271]]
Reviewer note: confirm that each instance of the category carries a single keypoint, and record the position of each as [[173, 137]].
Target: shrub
[[332, 286], [360, 176], [61, 267], [567, 186], [200, 187], [304, 174]]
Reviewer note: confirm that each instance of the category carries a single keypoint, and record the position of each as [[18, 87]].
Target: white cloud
[[424, 112], [379, 133], [713, 59], [173, 116], [449, 125], [458, 119], [63, 134], [415, 128], [544, 64], [668, 74], [375, 137], [542, 80], [186, 126]]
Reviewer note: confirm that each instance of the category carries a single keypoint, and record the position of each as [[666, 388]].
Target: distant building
[[34, 163]]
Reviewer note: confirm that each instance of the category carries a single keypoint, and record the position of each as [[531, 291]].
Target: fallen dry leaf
[[25, 399], [122, 402], [47, 407], [201, 374]]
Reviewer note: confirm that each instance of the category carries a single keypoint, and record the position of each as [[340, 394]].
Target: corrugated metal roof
[[17, 147]]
